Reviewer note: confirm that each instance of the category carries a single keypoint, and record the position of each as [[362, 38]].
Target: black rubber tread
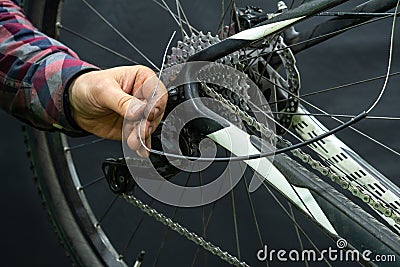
[[43, 14], [63, 219], [82, 254], [357, 226], [55, 202]]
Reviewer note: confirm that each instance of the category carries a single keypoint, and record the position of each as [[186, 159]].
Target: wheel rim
[[92, 222]]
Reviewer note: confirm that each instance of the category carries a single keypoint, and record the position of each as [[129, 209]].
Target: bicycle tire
[[56, 203], [81, 252], [77, 235], [44, 15]]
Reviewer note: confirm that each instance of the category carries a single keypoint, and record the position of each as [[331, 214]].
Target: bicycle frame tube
[[338, 25], [274, 25], [245, 38]]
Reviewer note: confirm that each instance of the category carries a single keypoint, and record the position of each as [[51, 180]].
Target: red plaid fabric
[[35, 70]]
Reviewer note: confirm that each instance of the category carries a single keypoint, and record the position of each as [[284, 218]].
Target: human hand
[[101, 99]]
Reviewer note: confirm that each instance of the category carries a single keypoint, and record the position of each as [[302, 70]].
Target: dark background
[[26, 234]]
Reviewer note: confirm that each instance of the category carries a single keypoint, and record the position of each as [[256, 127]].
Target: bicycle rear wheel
[[79, 227]]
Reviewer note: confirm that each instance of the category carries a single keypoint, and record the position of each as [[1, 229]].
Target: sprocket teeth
[[195, 43]]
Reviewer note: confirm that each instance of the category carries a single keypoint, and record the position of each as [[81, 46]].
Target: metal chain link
[[307, 159], [268, 133], [184, 232], [344, 182]]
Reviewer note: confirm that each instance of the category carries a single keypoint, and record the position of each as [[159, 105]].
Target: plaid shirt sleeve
[[35, 70]]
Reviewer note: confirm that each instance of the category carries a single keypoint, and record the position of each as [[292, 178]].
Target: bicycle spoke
[[355, 14], [167, 231], [297, 232], [107, 211], [389, 65], [235, 223], [179, 6], [221, 22], [338, 120], [67, 148], [178, 11], [174, 16], [294, 221], [205, 227], [204, 232], [267, 62], [341, 86], [203, 216], [354, 129], [267, 55], [337, 115], [338, 31], [163, 240], [383, 118], [119, 33], [246, 186], [349, 84], [291, 4], [94, 181], [323, 36], [344, 173], [223, 15], [253, 212], [97, 44], [338, 168], [132, 236]]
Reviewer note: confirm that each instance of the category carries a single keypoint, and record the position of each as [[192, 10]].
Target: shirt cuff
[[49, 95]]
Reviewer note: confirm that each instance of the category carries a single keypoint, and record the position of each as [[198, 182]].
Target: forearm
[[35, 71]]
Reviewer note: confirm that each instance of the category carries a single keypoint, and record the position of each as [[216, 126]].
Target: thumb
[[124, 104], [133, 109]]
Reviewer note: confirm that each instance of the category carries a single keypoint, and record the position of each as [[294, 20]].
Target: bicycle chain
[[306, 158], [195, 43], [198, 240], [346, 184], [357, 191]]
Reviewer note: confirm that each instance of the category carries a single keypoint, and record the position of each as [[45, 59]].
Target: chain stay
[[304, 157], [180, 54], [308, 159]]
